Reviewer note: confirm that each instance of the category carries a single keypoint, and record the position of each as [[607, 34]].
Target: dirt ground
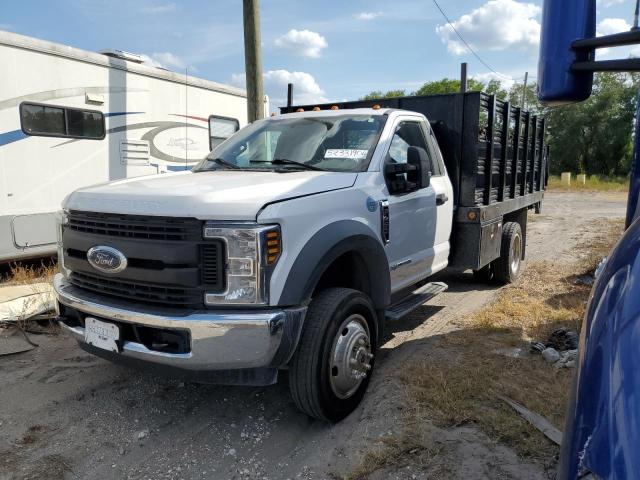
[[67, 414]]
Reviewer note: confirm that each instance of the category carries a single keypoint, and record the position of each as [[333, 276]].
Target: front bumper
[[219, 340]]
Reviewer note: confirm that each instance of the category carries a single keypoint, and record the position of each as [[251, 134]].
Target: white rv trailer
[[71, 118]]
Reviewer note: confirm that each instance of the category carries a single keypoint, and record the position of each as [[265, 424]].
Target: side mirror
[[410, 176], [418, 156]]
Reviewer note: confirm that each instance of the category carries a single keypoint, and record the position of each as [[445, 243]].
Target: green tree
[[447, 85], [494, 87], [595, 136], [377, 94], [531, 103]]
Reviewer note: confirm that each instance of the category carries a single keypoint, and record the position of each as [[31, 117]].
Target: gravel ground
[[67, 414]]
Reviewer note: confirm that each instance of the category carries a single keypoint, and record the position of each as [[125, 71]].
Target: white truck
[[294, 242]]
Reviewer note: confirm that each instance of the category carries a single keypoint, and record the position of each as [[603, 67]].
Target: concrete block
[[565, 179], [581, 179]]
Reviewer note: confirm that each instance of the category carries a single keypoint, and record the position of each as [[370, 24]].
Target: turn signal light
[[274, 247]]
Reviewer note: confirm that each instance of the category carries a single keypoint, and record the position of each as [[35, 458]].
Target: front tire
[[330, 371]]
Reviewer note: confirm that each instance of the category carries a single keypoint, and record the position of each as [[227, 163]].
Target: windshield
[[340, 143]]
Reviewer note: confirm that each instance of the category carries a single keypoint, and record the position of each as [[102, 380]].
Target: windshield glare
[[339, 143]]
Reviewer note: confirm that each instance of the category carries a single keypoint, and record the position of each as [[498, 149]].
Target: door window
[[408, 134]]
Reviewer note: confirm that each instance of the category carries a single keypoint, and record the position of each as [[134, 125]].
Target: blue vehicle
[[602, 434]]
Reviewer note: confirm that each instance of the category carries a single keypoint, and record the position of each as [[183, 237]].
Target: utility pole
[[523, 102], [253, 59]]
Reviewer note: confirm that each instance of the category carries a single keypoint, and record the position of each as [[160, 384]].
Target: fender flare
[[323, 248]]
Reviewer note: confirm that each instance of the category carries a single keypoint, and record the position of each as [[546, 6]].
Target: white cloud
[[609, 3], [496, 25], [302, 42], [166, 60], [505, 83], [151, 61], [368, 15], [6, 26], [305, 88], [609, 26], [155, 8], [169, 59]]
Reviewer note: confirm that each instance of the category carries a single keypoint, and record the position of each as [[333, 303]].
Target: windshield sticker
[[346, 153]]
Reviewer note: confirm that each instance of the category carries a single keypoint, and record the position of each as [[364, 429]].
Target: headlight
[[251, 253], [61, 221]]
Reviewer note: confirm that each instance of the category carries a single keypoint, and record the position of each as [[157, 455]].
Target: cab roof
[[347, 111]]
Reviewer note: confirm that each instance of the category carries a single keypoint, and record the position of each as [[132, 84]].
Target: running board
[[414, 300]]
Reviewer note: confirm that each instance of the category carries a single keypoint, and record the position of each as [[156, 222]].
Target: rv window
[[61, 122], [40, 119], [221, 128], [85, 124]]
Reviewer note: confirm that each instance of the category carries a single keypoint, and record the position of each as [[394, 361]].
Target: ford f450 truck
[[293, 243]]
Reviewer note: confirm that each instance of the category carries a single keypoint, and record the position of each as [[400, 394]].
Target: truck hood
[[215, 195]]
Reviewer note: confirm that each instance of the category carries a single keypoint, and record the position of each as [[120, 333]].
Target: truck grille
[[169, 263], [135, 226], [142, 292]]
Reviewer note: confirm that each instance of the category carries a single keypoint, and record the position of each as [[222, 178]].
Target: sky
[[330, 50]]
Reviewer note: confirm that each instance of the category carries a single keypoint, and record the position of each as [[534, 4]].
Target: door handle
[[441, 199]]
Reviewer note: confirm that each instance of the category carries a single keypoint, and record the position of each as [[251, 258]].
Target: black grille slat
[[134, 226], [150, 293]]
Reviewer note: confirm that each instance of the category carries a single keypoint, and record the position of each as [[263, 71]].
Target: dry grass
[[460, 379], [594, 183], [28, 272], [395, 453]]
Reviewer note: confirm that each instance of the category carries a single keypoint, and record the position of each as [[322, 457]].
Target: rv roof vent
[[132, 57]]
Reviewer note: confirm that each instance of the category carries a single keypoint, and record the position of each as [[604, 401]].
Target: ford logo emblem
[[106, 259]]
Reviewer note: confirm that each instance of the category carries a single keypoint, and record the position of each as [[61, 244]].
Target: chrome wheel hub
[[516, 254], [350, 356]]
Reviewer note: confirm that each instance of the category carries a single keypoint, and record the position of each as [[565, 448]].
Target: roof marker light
[[376, 107], [300, 110], [334, 107], [316, 109]]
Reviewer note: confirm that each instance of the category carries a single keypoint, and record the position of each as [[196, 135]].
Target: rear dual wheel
[[331, 368], [508, 266]]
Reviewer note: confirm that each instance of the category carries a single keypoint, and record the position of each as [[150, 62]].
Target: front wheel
[[331, 368]]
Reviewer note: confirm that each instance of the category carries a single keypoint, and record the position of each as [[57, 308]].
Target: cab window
[[408, 134]]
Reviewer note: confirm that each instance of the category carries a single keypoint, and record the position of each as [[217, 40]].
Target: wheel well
[[349, 271]]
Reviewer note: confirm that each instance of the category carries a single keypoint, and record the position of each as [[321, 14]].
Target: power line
[[469, 46]]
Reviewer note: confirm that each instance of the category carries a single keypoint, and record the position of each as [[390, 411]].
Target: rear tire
[[330, 371], [506, 268]]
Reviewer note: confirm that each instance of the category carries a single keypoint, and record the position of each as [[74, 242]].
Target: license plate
[[101, 334]]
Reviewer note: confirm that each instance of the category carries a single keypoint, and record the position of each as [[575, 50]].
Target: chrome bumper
[[220, 340]]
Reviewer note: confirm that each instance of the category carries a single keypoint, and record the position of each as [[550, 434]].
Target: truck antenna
[[635, 17]]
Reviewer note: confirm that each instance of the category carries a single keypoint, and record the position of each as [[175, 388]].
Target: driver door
[[412, 215]]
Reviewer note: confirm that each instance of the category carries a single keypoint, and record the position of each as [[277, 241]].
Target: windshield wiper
[[284, 161], [222, 161]]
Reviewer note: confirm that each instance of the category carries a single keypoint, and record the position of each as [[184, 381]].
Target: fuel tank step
[[414, 300]]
